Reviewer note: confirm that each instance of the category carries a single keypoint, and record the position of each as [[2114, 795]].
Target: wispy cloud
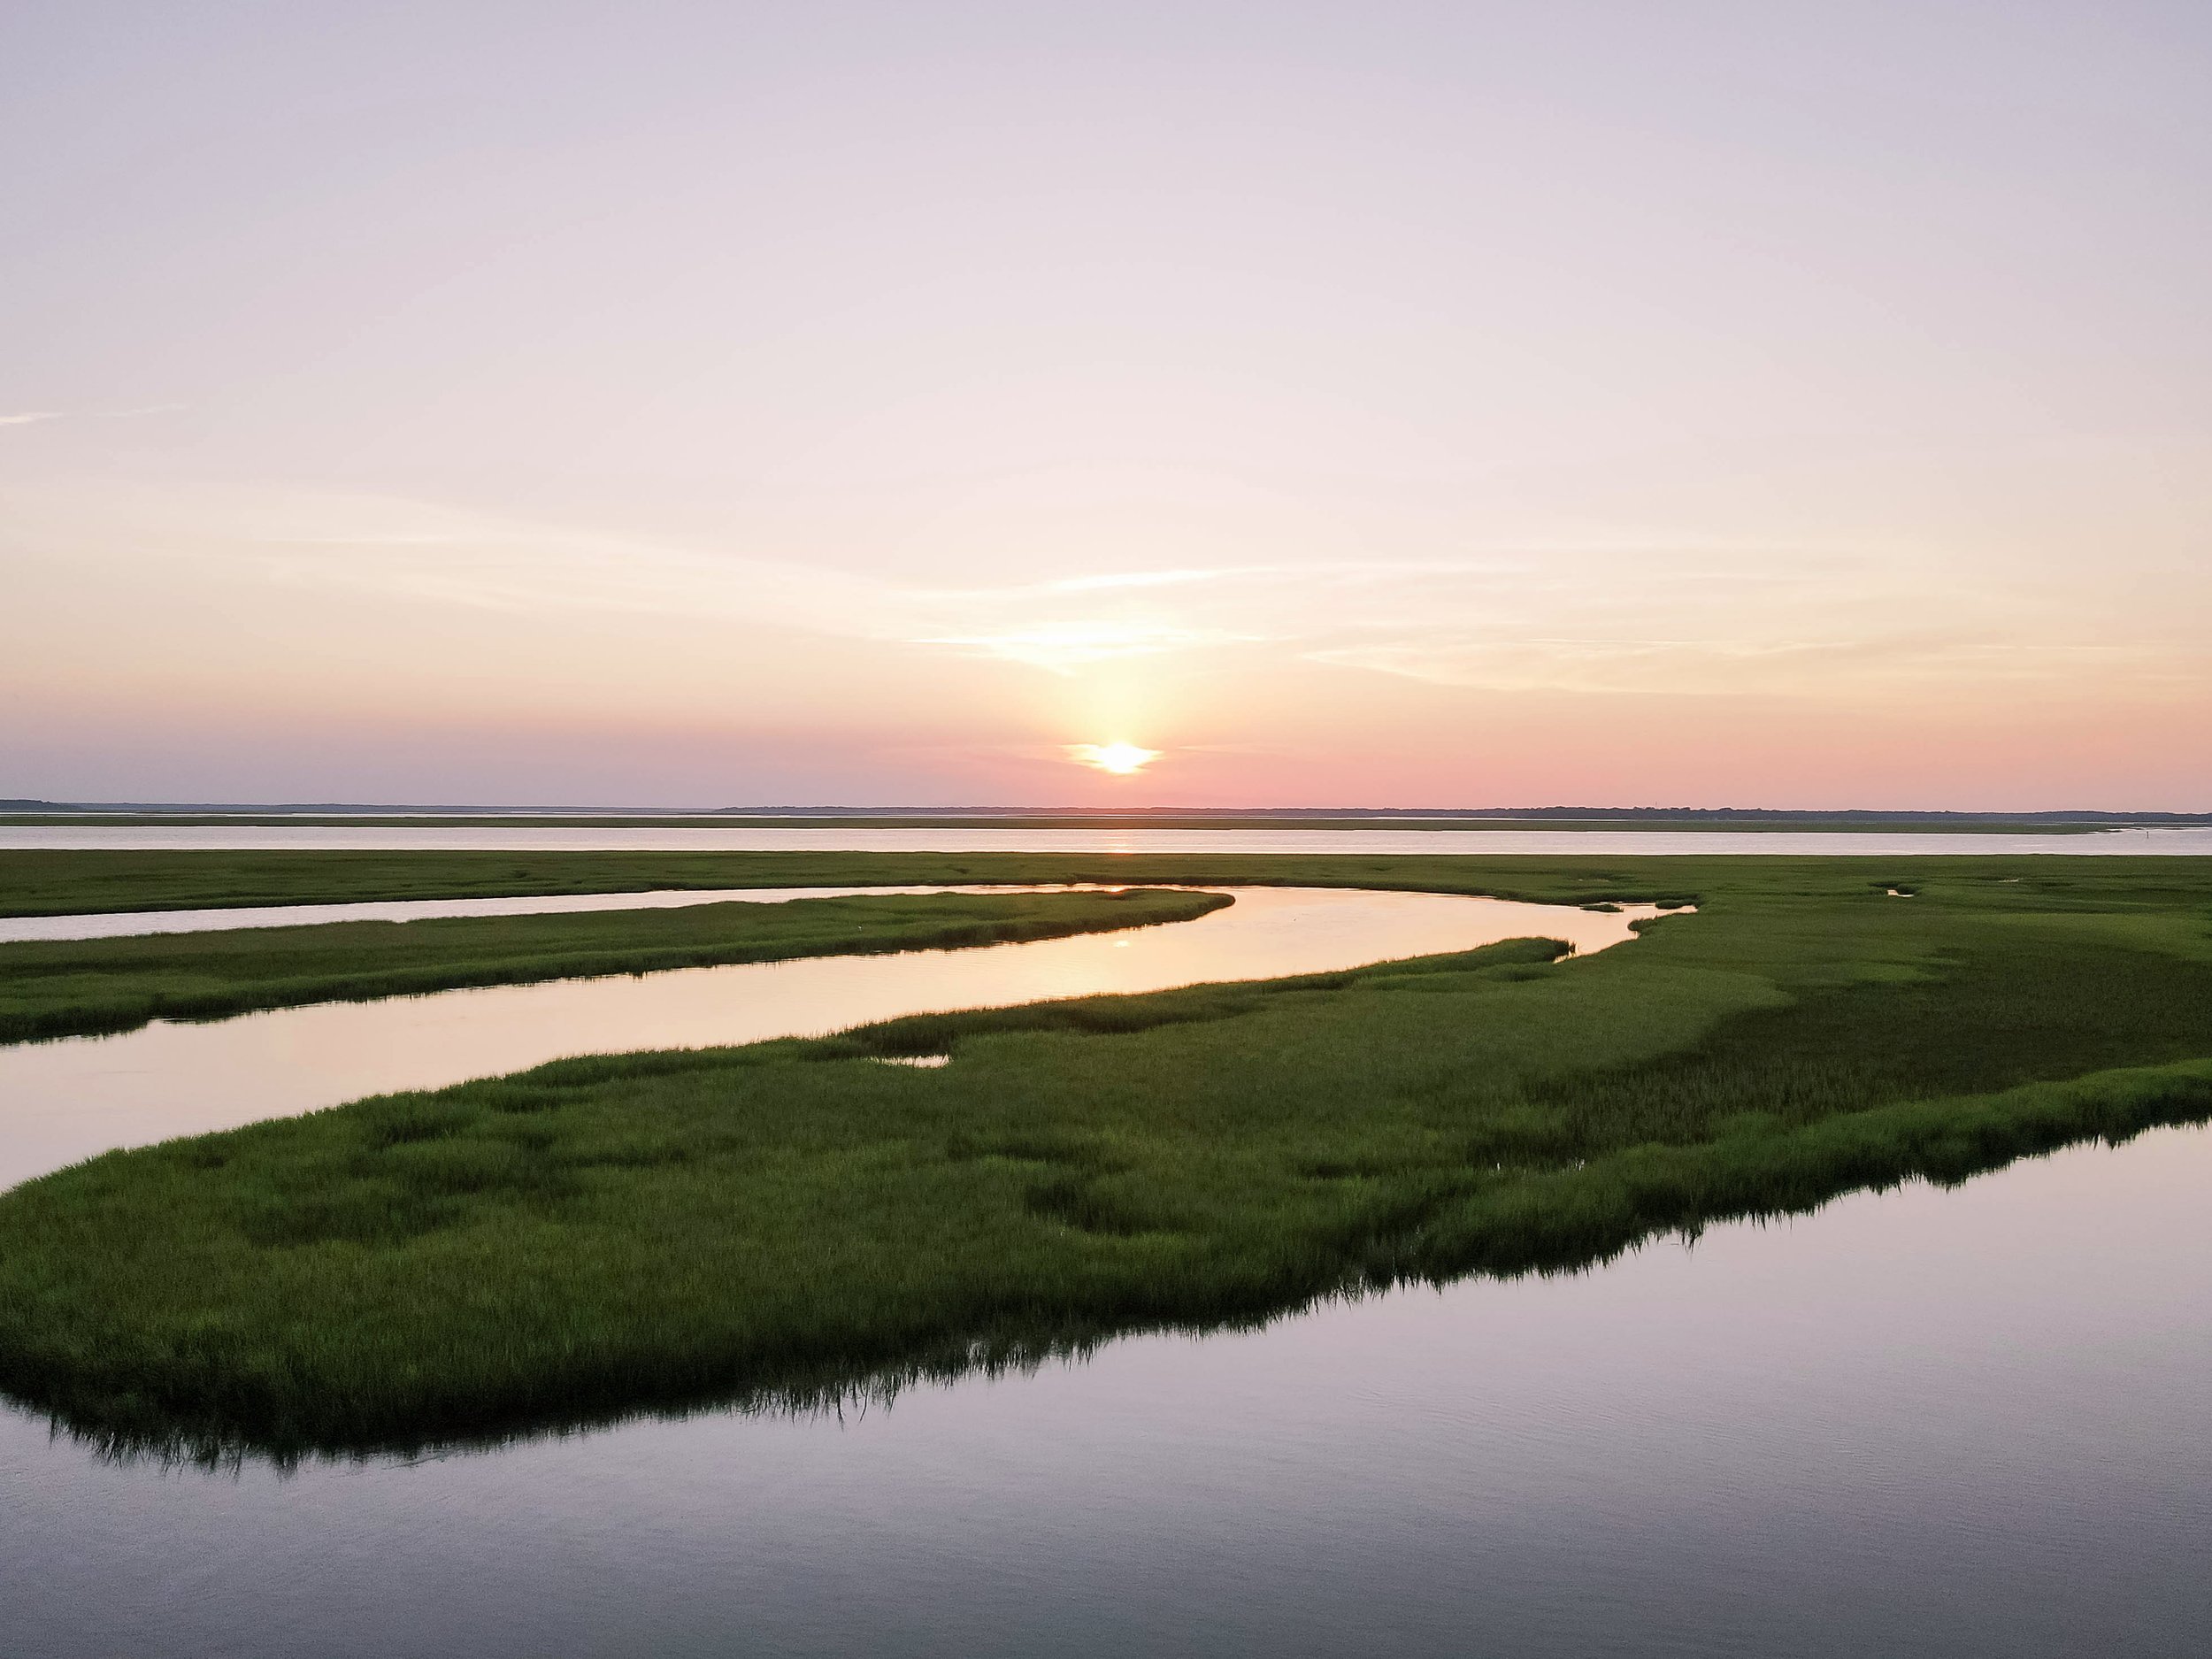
[[1063, 647], [34, 416], [1133, 579], [1643, 615]]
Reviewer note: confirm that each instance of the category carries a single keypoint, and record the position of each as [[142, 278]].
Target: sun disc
[[1120, 758]]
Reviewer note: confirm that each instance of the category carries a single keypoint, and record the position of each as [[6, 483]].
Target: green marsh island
[[793, 1221]]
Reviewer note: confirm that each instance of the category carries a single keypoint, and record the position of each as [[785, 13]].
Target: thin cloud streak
[[1744, 618], [34, 416], [1063, 649]]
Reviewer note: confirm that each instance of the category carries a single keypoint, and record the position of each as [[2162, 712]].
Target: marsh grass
[[51, 988], [790, 1223]]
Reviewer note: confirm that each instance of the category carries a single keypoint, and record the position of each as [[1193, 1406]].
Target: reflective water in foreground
[[60, 1102], [1971, 1423]]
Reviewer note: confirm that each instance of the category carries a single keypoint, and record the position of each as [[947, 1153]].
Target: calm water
[[1957, 1424], [60, 1102], [1921, 1423], [1373, 842]]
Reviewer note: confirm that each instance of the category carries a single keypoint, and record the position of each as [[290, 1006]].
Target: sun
[[1122, 760]]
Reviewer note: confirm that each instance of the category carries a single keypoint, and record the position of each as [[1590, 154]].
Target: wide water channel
[[1919, 1423], [523, 836]]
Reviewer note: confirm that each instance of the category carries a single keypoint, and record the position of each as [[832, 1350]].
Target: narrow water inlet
[[69, 1100], [136, 923]]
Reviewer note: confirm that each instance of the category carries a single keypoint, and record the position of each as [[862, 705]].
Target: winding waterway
[[68, 1100], [1917, 1423]]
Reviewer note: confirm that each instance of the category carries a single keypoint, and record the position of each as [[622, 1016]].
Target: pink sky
[[1405, 405]]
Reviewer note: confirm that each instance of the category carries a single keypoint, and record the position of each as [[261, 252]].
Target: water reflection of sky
[[1953, 1423], [1373, 842]]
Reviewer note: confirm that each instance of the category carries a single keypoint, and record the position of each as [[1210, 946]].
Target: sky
[[1756, 404]]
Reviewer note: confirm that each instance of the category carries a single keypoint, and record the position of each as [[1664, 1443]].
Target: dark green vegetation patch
[[657, 1231]]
